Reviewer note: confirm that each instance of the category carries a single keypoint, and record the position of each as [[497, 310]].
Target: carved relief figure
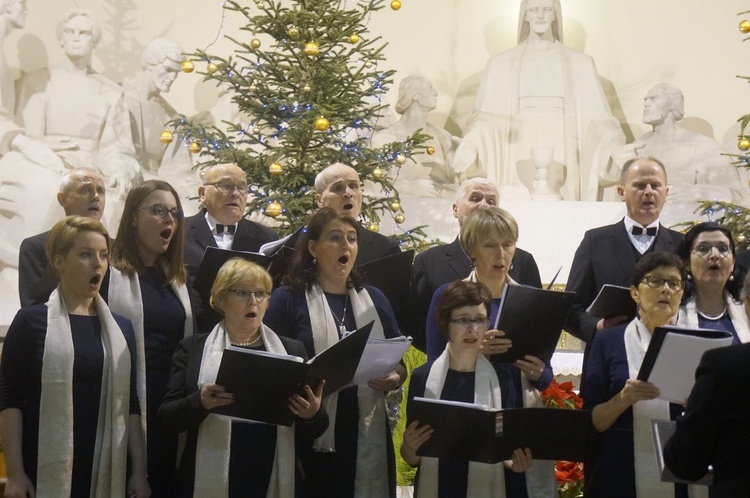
[[540, 93], [431, 175]]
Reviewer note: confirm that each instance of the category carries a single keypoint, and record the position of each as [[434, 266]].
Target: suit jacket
[[36, 280], [714, 429], [605, 256], [443, 264], [248, 237]]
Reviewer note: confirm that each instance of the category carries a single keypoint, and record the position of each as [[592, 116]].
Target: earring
[[315, 261], [731, 277], [689, 276], [511, 266]]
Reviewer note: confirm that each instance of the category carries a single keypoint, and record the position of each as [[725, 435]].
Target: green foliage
[[735, 217], [282, 91]]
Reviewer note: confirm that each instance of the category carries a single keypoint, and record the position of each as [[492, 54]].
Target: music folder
[[533, 319], [662, 430], [214, 258], [262, 382], [673, 355], [613, 300], [473, 432], [392, 276]]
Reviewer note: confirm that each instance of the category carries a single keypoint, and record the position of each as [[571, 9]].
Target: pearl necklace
[[254, 342], [706, 316]]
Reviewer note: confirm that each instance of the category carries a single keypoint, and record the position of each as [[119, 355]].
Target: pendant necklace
[[342, 327]]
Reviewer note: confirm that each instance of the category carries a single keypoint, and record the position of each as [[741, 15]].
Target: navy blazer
[[36, 280]]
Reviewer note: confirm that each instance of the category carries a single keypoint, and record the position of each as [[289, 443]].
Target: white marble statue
[[695, 167], [541, 94], [149, 112], [431, 175], [79, 111]]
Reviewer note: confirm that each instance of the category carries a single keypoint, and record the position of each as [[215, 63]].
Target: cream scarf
[[55, 460], [484, 479], [125, 299], [215, 432], [688, 317], [540, 478], [371, 479]]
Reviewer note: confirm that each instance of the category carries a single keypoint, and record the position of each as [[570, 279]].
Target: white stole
[[483, 479], [540, 478], [55, 453], [688, 317], [125, 298], [371, 478], [215, 432]]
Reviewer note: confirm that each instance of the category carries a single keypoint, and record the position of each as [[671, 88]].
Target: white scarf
[[125, 298], [215, 432], [371, 478], [688, 317], [483, 479], [540, 478], [55, 454]]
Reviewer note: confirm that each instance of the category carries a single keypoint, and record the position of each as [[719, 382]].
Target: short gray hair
[[479, 180], [68, 180], [321, 181]]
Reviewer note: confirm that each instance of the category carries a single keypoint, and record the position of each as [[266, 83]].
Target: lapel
[[621, 248], [457, 259], [200, 231], [664, 240]]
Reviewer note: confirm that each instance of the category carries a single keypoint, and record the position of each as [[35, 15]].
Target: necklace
[[712, 317], [254, 342], [342, 328]]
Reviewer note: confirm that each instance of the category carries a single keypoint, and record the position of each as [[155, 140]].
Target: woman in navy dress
[[147, 284], [711, 299], [461, 373], [324, 297], [67, 382], [260, 457]]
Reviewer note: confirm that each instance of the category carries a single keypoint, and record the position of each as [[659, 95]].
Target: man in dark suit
[[715, 429], [221, 224], [81, 193], [443, 264]]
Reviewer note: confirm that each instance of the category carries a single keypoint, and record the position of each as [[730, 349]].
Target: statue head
[[540, 16], [662, 100], [15, 12], [418, 89], [78, 33], [162, 59]]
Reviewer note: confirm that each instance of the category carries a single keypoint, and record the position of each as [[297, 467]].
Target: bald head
[[82, 193], [472, 194], [338, 187]]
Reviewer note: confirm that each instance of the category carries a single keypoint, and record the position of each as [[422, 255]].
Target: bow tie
[[651, 232], [225, 228]]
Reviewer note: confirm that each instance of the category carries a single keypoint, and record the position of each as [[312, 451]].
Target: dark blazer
[[443, 264], [605, 256], [36, 280], [248, 237], [715, 429]]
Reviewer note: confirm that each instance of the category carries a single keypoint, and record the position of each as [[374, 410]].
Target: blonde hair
[[485, 222], [233, 272], [63, 235]]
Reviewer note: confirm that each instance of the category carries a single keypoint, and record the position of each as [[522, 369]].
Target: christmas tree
[[307, 74]]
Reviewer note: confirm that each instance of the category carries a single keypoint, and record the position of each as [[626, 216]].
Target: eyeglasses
[[482, 323], [247, 295], [704, 250], [228, 188], [658, 282], [161, 211]]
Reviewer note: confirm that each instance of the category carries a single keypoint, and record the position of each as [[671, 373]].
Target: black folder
[[613, 300], [471, 432], [212, 261], [392, 276], [533, 319], [262, 382], [662, 431]]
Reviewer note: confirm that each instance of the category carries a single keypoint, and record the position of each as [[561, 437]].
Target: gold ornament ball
[[273, 209], [745, 26], [395, 206], [307, 89], [255, 43], [261, 5], [166, 137], [400, 158], [377, 173], [741, 239], [293, 31], [368, 64], [373, 227], [354, 38], [321, 123], [395, 4], [256, 130], [187, 66], [194, 147], [311, 49], [211, 68], [430, 150], [252, 88], [275, 169], [743, 144], [399, 218]]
